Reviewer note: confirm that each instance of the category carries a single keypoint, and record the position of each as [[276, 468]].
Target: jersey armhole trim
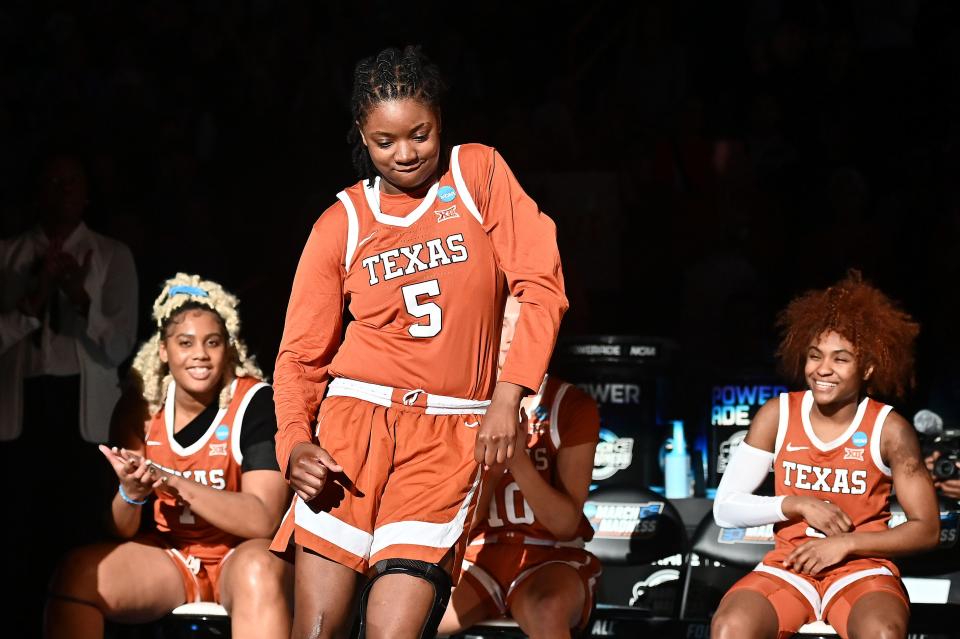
[[782, 423], [462, 185], [875, 441], [555, 415], [353, 228], [238, 421]]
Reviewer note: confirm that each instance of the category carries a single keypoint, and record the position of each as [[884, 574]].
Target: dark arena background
[[705, 162]]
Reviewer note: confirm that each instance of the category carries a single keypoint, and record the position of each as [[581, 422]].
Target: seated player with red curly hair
[[837, 453]]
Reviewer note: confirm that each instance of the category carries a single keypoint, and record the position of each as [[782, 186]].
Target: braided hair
[[392, 74]]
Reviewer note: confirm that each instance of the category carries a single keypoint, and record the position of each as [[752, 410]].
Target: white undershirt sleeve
[[735, 505]]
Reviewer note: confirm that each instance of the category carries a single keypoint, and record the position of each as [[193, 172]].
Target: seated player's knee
[[552, 607], [256, 572], [730, 624], [881, 627], [75, 578]]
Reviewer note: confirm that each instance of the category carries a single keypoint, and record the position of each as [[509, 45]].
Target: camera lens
[[945, 469]]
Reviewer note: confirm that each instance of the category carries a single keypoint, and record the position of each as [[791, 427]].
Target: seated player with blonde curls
[[198, 449], [837, 454]]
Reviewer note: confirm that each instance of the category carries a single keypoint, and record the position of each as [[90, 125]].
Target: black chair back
[[718, 558], [640, 538], [633, 526], [738, 547]]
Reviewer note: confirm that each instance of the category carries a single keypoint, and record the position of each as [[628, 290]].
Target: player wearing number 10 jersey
[[525, 556]]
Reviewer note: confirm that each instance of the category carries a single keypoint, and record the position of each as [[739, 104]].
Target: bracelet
[[133, 502]]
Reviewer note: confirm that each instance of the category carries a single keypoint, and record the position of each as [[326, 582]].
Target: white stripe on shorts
[[192, 570], [810, 593], [846, 580], [329, 528], [489, 584], [526, 539], [423, 533], [802, 585]]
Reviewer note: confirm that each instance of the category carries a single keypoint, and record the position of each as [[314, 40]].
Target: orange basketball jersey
[[425, 280], [848, 472], [561, 415], [213, 460]]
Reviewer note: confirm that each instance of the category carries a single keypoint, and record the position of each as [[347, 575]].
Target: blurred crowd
[[704, 161]]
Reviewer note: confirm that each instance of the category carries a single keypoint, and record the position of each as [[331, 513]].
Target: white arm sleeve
[[735, 505]]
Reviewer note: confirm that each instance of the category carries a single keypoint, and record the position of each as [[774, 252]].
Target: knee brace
[[431, 573]]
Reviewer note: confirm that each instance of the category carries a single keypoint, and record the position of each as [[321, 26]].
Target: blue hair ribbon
[[187, 290]]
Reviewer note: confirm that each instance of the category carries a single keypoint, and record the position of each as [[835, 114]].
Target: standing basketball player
[[423, 249], [198, 451], [836, 455], [526, 558]]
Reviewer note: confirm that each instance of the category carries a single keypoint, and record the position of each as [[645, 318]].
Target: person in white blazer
[[68, 320]]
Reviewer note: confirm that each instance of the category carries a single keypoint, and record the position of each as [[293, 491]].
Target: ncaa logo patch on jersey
[[447, 214], [222, 432], [446, 194], [859, 439]]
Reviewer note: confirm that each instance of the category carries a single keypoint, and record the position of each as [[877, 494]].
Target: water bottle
[[677, 466]]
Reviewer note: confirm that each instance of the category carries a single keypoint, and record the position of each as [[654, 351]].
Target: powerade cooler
[[734, 399], [630, 379]]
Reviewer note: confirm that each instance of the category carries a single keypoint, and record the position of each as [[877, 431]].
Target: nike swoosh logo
[[366, 239], [471, 424], [791, 448], [150, 442]]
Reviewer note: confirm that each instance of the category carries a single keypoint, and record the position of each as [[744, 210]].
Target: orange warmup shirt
[[425, 281]]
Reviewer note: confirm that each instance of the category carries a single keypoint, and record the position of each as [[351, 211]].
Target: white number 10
[[510, 508], [430, 310]]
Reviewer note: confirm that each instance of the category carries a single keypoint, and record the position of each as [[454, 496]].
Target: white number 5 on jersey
[[411, 293]]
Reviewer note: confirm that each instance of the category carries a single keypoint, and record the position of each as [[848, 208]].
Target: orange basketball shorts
[[409, 479], [496, 570], [199, 566], [799, 599]]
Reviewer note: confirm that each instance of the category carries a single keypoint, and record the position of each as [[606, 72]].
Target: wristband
[[133, 502]]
